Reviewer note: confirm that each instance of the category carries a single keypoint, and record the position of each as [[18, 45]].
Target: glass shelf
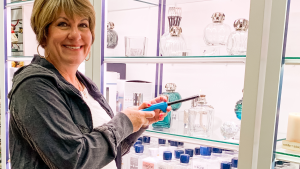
[[19, 58], [19, 3], [292, 60], [169, 2], [286, 155], [181, 59]]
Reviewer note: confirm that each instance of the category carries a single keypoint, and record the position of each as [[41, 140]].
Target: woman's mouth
[[73, 47]]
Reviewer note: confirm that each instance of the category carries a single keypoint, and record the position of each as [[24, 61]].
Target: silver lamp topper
[[110, 25], [137, 99], [218, 17], [175, 30], [170, 87], [241, 24], [202, 99]]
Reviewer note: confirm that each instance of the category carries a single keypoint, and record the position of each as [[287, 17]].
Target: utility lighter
[[164, 105]]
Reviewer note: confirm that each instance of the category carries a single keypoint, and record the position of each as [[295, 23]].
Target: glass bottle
[[176, 156], [190, 152], [225, 165], [167, 161], [151, 161], [112, 36], [135, 160], [238, 108], [172, 95], [237, 40], [172, 43], [234, 163], [184, 162], [216, 33], [201, 119]]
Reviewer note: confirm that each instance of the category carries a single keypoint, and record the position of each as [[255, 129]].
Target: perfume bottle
[[184, 162], [165, 124], [216, 33], [112, 36], [135, 160], [167, 161], [238, 108], [172, 95], [229, 129], [172, 43], [237, 40], [201, 119]]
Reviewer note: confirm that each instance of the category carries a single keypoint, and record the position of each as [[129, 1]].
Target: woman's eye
[[63, 24], [84, 25]]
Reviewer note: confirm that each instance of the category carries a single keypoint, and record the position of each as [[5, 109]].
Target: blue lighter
[[164, 105]]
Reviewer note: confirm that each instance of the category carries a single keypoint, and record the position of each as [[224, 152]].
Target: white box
[[125, 90]]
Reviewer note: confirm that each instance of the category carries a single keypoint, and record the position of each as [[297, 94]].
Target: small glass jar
[[216, 33], [237, 40], [112, 36], [201, 118], [135, 46]]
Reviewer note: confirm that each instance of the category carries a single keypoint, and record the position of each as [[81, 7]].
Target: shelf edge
[[19, 3], [193, 141]]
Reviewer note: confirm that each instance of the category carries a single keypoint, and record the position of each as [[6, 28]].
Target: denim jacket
[[51, 125]]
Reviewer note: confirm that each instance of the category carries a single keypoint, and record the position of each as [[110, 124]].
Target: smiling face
[[69, 40]]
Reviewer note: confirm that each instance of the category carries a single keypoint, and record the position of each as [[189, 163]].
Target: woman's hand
[[159, 115], [145, 118]]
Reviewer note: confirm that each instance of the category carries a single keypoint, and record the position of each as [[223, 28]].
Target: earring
[[40, 54], [88, 58]]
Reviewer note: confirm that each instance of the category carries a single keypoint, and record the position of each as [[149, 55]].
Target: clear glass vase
[[237, 40], [201, 119], [135, 46], [216, 33], [112, 36], [172, 43]]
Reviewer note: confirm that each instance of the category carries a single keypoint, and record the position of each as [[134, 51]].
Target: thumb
[[149, 114]]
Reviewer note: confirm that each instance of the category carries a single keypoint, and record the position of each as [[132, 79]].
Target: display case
[[142, 45]]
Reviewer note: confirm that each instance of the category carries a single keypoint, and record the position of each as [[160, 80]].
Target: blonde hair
[[45, 12]]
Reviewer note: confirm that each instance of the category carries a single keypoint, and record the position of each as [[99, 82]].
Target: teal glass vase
[[238, 109], [172, 95], [166, 123]]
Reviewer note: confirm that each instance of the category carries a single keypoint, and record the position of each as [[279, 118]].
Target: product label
[[134, 163], [162, 167], [147, 165], [198, 167]]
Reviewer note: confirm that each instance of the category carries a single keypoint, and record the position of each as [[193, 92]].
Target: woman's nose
[[74, 34]]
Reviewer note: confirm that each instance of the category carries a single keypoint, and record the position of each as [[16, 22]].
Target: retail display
[[172, 42], [135, 46], [112, 36], [229, 129], [216, 33], [237, 40], [201, 118]]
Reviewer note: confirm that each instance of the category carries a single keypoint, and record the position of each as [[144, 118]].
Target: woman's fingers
[[149, 114], [159, 99], [144, 105]]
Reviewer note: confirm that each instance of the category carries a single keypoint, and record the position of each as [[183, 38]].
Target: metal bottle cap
[[175, 30], [137, 99], [202, 99], [170, 87], [241, 24], [218, 17], [110, 25]]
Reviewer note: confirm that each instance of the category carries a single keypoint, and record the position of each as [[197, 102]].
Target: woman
[[59, 119]]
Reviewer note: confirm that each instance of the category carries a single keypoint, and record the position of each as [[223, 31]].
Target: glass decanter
[[172, 43], [216, 33], [172, 95], [237, 40], [238, 109], [112, 36], [201, 118]]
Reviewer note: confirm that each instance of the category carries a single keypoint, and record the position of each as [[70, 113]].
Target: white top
[[99, 117]]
